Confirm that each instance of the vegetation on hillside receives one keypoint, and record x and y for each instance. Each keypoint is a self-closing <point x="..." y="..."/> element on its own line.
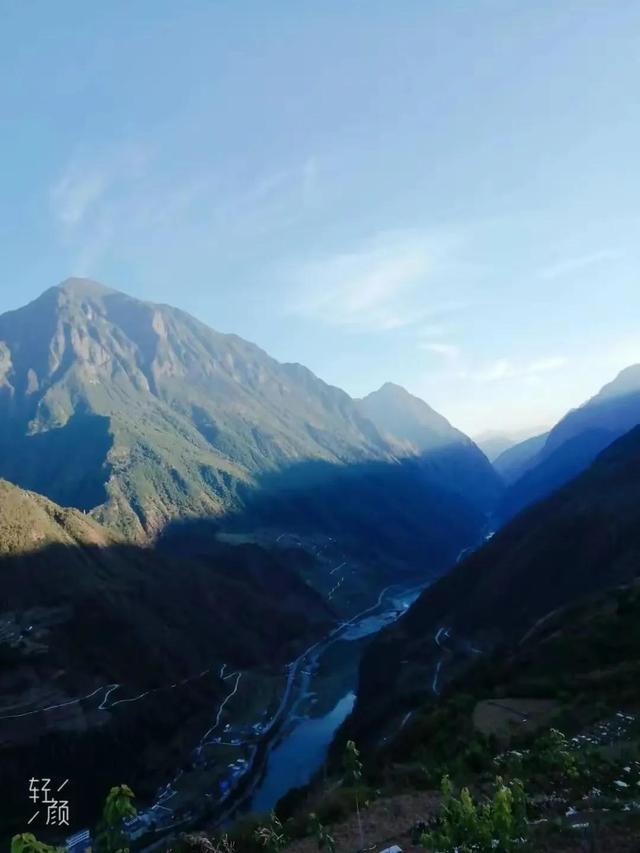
<point x="572" y="445"/>
<point x="109" y="836"/>
<point x="84" y="615"/>
<point x="143" y="415"/>
<point x="583" y="539"/>
<point x="564" y="772"/>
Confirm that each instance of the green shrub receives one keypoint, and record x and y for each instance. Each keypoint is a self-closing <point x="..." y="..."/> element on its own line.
<point x="352" y="764"/>
<point x="110" y="835"/>
<point x="497" y="826"/>
<point x="553" y="755"/>
<point x="272" y="836"/>
<point x="28" y="843"/>
<point x="325" y="841"/>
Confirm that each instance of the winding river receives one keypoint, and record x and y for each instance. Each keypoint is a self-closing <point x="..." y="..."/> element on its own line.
<point x="319" y="695"/>
<point x="325" y="700"/>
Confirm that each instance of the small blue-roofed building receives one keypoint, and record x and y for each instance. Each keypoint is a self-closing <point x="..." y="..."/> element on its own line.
<point x="79" y="842"/>
<point x="135" y="827"/>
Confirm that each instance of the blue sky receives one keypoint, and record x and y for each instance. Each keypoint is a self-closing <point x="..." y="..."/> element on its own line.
<point x="443" y="194"/>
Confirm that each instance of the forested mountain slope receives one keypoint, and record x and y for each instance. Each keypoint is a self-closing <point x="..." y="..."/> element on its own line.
<point x="573" y="443"/>
<point x="87" y="620"/>
<point x="141" y="415"/>
<point x="583" y="539"/>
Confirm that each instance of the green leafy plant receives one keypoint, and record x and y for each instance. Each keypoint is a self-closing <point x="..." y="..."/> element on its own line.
<point x="353" y="776"/>
<point x="553" y="754"/>
<point x="200" y="843"/>
<point x="28" y="843"/>
<point x="110" y="835"/>
<point x="326" y="841"/>
<point x="352" y="764"/>
<point x="463" y="825"/>
<point x="272" y="836"/>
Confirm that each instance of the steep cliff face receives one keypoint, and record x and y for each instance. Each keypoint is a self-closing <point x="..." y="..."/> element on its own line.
<point x="141" y="415"/>
<point x="152" y="413"/>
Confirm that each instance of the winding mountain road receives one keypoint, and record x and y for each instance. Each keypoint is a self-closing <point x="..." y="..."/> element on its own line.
<point x="437" y="638"/>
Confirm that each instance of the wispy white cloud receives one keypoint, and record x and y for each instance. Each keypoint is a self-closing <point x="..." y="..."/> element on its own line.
<point x="434" y="330"/>
<point x="88" y="202"/>
<point x="86" y="181"/>
<point x="546" y="365"/>
<point x="507" y="369"/>
<point x="93" y="247"/>
<point x="123" y="198"/>
<point x="569" y="266"/>
<point x="268" y="201"/>
<point x="75" y="192"/>
<point x="378" y="286"/>
<point x="450" y="352"/>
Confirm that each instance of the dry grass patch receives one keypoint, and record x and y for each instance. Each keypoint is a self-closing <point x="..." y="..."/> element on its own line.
<point x="504" y="717"/>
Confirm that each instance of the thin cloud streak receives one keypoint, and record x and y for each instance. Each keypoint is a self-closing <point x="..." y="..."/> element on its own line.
<point x="75" y="193"/>
<point x="506" y="369"/>
<point x="378" y="287"/>
<point x="569" y="266"/>
<point x="450" y="352"/>
<point x="120" y="198"/>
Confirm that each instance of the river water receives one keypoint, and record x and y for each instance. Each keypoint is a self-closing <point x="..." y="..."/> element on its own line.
<point x="328" y="701"/>
<point x="294" y="761"/>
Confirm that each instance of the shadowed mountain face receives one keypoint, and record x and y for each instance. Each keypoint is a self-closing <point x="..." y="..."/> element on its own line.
<point x="82" y="611"/>
<point x="577" y="666"/>
<point x="447" y="455"/>
<point x="572" y="444"/>
<point x="146" y="420"/>
<point x="513" y="462"/>
<point x="143" y="415"/>
<point x="176" y="416"/>
<point x="581" y="540"/>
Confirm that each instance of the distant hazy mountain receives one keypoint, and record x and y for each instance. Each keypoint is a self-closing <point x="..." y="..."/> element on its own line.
<point x="615" y="409"/>
<point x="583" y="539"/>
<point x="448" y="454"/>
<point x="494" y="443"/>
<point x="576" y="440"/>
<point x="409" y="420"/>
<point x="513" y="462"/>
<point x="142" y="415"/>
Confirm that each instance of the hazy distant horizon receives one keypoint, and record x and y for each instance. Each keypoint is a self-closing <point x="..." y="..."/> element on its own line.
<point x="439" y="195"/>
